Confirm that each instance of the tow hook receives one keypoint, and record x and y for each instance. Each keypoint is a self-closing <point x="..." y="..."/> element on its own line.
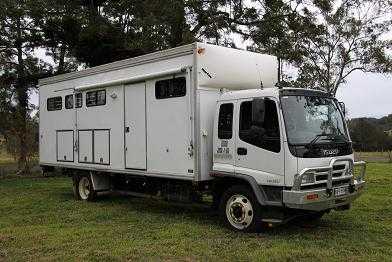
<point x="329" y="192"/>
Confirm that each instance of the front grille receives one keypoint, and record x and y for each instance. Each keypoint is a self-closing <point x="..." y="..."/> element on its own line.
<point x="324" y="185"/>
<point x="321" y="177"/>
<point x="339" y="167"/>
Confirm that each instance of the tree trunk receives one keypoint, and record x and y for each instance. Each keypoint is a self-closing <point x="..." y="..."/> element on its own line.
<point x="22" y="104"/>
<point x="61" y="68"/>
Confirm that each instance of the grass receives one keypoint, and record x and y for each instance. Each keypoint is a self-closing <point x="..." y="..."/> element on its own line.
<point x="384" y="157"/>
<point x="5" y="159"/>
<point x="40" y="220"/>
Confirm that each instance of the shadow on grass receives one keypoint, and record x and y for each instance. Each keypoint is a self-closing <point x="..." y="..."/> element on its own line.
<point x="203" y="214"/>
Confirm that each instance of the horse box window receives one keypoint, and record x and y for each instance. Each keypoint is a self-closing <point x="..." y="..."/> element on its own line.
<point x="169" y="88"/>
<point x="96" y="98"/>
<point x="54" y="103"/>
<point x="78" y="100"/>
<point x="69" y="104"/>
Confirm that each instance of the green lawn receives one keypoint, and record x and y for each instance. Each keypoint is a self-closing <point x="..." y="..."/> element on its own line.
<point x="40" y="220"/>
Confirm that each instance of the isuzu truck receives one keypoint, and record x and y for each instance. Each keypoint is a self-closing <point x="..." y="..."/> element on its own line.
<point x="196" y="122"/>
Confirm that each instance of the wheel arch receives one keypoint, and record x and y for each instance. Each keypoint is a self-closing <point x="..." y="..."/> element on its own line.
<point x="225" y="180"/>
<point x="100" y="181"/>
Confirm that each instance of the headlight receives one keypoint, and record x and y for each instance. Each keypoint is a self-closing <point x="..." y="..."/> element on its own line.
<point x="308" y="178"/>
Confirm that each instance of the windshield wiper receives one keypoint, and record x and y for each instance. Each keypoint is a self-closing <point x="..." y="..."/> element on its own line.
<point x="330" y="137"/>
<point x="317" y="138"/>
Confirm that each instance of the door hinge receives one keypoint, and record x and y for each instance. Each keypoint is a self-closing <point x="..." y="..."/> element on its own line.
<point x="190" y="149"/>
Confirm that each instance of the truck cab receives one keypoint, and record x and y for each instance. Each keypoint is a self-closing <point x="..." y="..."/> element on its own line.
<point x="286" y="151"/>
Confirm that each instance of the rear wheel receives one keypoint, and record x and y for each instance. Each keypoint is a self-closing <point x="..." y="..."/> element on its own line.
<point x="83" y="188"/>
<point x="240" y="209"/>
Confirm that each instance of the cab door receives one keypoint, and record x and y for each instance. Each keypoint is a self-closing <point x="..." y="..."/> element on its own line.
<point x="259" y="148"/>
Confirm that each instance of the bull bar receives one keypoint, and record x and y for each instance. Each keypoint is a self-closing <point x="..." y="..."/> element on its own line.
<point x="324" y="198"/>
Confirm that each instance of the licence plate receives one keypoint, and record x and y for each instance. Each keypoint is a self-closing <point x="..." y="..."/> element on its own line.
<point x="341" y="191"/>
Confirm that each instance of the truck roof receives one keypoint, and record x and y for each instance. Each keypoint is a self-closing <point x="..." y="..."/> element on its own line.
<point x="213" y="67"/>
<point x="272" y="92"/>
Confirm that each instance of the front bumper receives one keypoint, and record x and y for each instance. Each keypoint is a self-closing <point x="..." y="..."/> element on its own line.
<point x="324" y="198"/>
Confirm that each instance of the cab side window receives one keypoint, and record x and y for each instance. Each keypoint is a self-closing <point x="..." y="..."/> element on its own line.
<point x="225" y="122"/>
<point x="259" y="124"/>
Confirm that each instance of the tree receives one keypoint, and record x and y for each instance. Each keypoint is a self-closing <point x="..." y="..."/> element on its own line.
<point x="113" y="30"/>
<point x="19" y="36"/>
<point x="344" y="37"/>
<point x="326" y="40"/>
<point x="60" y="28"/>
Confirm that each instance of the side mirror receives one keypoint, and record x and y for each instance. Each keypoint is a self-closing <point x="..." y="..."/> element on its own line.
<point x="258" y="110"/>
<point x="343" y="108"/>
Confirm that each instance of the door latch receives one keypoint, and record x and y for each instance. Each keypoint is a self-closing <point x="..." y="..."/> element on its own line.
<point x="242" y="151"/>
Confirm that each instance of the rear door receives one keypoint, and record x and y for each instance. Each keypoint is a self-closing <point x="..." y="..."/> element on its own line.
<point x="135" y="126"/>
<point x="259" y="151"/>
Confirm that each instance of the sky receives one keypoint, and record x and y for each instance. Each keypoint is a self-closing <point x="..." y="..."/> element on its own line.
<point x="367" y="95"/>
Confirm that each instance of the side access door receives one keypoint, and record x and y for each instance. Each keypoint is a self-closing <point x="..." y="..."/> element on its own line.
<point x="135" y="126"/>
<point x="259" y="149"/>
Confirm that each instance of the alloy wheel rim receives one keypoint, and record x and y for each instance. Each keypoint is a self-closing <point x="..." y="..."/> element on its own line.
<point x="239" y="211"/>
<point x="84" y="188"/>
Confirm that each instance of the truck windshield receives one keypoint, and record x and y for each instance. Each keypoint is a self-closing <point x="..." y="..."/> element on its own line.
<point x="312" y="119"/>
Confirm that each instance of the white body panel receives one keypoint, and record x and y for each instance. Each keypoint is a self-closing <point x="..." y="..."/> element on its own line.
<point x="169" y="133"/>
<point x="85" y="141"/>
<point x="171" y="137"/>
<point x="101" y="150"/>
<point x="65" y="149"/>
<point x="135" y="126"/>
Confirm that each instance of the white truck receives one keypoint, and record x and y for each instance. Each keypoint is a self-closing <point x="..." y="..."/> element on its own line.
<point x="201" y="119"/>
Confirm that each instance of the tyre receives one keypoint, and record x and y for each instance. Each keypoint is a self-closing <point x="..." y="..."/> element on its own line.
<point x="240" y="209"/>
<point x="83" y="188"/>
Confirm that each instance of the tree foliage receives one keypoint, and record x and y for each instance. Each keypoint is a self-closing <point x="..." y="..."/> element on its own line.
<point x="368" y="134"/>
<point x="20" y="70"/>
<point x="326" y="40"/>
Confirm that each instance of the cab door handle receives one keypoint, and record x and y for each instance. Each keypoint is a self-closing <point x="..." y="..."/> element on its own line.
<point x="242" y="151"/>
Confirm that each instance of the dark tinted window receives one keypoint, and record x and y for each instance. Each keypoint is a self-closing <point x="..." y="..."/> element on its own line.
<point x="69" y="102"/>
<point x="225" y="123"/>
<point x="175" y="87"/>
<point x="78" y="100"/>
<point x="259" y="124"/>
<point x="96" y="98"/>
<point x="54" y="103"/>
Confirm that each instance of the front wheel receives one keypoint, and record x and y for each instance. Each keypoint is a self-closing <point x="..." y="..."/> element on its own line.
<point x="83" y="188"/>
<point x="240" y="209"/>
